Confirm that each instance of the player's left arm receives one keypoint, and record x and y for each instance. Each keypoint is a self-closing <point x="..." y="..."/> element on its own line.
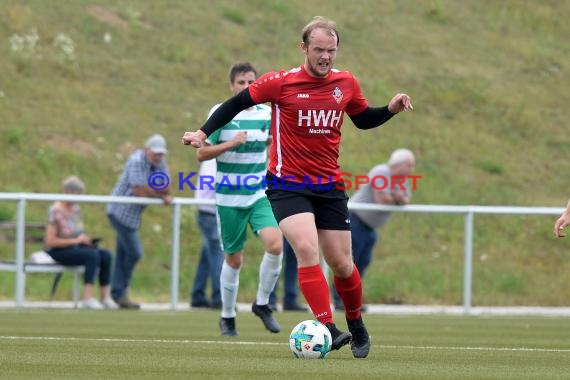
<point x="373" y="117"/>
<point x="400" y="103"/>
<point x="562" y="222"/>
<point x="365" y="117"/>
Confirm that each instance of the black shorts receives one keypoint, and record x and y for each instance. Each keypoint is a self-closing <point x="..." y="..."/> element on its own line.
<point x="329" y="206"/>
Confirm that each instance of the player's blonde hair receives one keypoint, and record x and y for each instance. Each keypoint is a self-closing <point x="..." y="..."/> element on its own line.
<point x="319" y="22"/>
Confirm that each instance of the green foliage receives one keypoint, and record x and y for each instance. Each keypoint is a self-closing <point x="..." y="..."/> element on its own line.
<point x="509" y="283"/>
<point x="488" y="81"/>
<point x="490" y="166"/>
<point x="234" y="15"/>
<point x="46" y="160"/>
<point x="6" y="213"/>
<point x="14" y="136"/>
<point x="437" y="13"/>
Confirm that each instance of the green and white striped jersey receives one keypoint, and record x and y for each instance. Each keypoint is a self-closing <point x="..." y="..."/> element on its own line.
<point x="241" y="170"/>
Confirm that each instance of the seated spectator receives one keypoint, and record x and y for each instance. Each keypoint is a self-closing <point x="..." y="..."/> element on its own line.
<point x="68" y="244"/>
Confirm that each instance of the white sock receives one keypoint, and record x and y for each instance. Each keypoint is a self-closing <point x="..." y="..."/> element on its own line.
<point x="269" y="270"/>
<point x="229" y="284"/>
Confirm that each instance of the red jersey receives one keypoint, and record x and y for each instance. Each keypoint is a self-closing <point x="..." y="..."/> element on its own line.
<point x="307" y="114"/>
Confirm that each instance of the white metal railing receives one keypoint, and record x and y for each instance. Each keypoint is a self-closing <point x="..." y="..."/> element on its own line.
<point x="467" y="211"/>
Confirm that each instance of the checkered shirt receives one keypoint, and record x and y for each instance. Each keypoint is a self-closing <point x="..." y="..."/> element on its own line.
<point x="136" y="173"/>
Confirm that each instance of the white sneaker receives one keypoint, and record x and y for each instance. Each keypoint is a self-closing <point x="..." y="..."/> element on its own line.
<point x="92" y="304"/>
<point x="108" y="303"/>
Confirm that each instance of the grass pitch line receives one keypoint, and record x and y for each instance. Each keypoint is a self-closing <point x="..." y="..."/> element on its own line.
<point x="120" y="340"/>
<point x="245" y="343"/>
<point x="451" y="348"/>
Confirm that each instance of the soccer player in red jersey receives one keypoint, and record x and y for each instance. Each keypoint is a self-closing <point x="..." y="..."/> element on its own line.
<point x="562" y="222"/>
<point x="309" y="103"/>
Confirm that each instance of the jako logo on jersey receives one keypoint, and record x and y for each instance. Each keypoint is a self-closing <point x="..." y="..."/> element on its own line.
<point x="337" y="95"/>
<point x="302" y="96"/>
<point x="319" y="118"/>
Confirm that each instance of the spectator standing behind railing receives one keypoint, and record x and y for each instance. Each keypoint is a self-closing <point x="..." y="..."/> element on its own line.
<point x="211" y="255"/>
<point x="562" y="222"/>
<point x="68" y="244"/>
<point x="386" y="191"/>
<point x="126" y="218"/>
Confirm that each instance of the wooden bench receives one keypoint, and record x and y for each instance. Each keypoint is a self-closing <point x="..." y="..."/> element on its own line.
<point x="37" y="263"/>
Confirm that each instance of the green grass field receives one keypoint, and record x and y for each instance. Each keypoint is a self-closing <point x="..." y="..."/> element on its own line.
<point x="74" y="344"/>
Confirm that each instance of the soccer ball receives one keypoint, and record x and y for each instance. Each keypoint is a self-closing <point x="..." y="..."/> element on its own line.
<point x="310" y="340"/>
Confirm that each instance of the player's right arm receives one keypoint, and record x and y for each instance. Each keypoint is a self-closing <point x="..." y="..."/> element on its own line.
<point x="265" y="89"/>
<point x="209" y="151"/>
<point x="222" y="116"/>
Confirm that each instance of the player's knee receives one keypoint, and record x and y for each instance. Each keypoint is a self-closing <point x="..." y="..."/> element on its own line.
<point x="275" y="246"/>
<point x="342" y="268"/>
<point x="306" y="248"/>
<point x="235" y="260"/>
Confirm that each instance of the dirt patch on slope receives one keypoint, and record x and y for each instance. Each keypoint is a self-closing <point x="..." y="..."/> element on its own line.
<point x="108" y="17"/>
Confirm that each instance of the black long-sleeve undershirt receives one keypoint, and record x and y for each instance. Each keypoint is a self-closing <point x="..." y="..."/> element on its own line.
<point x="371" y="117"/>
<point x="227" y="111"/>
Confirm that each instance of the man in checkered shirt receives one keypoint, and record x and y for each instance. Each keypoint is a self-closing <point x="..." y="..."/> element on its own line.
<point x="126" y="218"/>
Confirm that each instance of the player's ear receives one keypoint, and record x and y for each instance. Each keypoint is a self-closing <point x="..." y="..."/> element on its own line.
<point x="303" y="47"/>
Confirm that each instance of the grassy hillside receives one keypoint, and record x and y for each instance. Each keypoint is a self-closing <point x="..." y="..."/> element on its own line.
<point x="83" y="83"/>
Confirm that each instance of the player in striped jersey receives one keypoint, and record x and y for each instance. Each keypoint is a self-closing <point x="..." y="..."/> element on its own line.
<point x="240" y="149"/>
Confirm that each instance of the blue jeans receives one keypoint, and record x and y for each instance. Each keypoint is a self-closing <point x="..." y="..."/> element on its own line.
<point x="289" y="276"/>
<point x="128" y="253"/>
<point x="211" y="260"/>
<point x="363" y="240"/>
<point x="94" y="259"/>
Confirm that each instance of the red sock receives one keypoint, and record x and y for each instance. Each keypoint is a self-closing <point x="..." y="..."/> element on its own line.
<point x="350" y="291"/>
<point x="314" y="286"/>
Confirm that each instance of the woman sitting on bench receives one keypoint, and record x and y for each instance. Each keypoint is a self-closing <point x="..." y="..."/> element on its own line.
<point x="66" y="242"/>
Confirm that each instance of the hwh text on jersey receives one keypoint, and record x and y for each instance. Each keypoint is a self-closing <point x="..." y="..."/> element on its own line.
<point x="319" y="118"/>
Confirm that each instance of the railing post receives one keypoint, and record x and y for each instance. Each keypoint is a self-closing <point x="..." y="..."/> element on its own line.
<point x="20" y="253"/>
<point x="468" y="263"/>
<point x="175" y="259"/>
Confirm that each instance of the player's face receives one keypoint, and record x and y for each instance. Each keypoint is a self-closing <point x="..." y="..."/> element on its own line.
<point x="320" y="53"/>
<point x="242" y="81"/>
